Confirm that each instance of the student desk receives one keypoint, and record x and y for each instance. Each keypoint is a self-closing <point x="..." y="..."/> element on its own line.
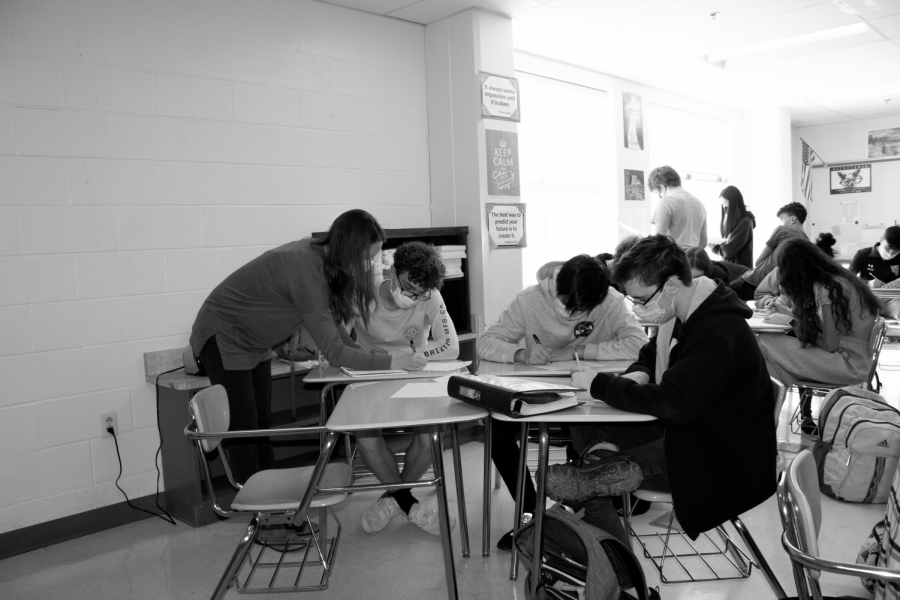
<point x="487" y="367"/>
<point x="593" y="411"/>
<point x="370" y="406"/>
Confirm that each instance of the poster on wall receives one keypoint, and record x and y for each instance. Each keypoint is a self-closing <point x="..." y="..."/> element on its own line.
<point x="499" y="97"/>
<point x="884" y="142"/>
<point x="634" y="185"/>
<point x="851" y="179"/>
<point x="633" y="117"/>
<point x="502" y="152"/>
<point x="506" y="225"/>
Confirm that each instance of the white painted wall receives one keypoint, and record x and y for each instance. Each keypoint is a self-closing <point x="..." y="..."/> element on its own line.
<point x="844" y="143"/>
<point x="148" y="149"/>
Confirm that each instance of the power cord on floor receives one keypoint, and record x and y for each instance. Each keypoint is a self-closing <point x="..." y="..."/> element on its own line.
<point x="165" y="516"/>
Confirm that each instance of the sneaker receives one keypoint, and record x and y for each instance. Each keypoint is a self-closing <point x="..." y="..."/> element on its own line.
<point x="378" y="515"/>
<point x="611" y="475"/>
<point x="505" y="543"/>
<point x="427" y="518"/>
<point x="809" y="427"/>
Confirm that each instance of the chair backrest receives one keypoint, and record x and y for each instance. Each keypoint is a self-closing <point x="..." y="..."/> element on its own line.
<point x="209" y="407"/>
<point x="780" y="393"/>
<point x="806" y="503"/>
<point x="879" y="332"/>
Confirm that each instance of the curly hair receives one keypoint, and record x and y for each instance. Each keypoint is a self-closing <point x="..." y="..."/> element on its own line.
<point x="422" y="263"/>
<point x="664" y="176"/>
<point x="802" y="265"/>
<point x="825" y="241"/>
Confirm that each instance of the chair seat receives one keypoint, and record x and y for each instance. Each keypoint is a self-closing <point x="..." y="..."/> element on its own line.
<point x="283" y="489"/>
<point x="828" y="386"/>
<point x="653" y="496"/>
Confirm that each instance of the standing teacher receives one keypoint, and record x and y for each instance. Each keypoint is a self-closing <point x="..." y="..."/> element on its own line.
<point x="679" y="214"/>
<point x="736" y="228"/>
<point x="319" y="284"/>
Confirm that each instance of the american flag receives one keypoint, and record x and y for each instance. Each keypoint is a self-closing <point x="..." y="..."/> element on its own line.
<point x="809" y="155"/>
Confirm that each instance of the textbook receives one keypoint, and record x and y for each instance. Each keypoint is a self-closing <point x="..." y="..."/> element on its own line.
<point x="512" y="396"/>
<point x="362" y="373"/>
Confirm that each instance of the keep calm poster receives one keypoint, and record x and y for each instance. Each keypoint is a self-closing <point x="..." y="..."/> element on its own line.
<point x="502" y="151"/>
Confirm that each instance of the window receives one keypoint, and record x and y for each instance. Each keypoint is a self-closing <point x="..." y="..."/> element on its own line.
<point x="567" y="172"/>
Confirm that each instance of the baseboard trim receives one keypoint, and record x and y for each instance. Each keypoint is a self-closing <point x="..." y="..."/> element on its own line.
<point x="52" y="532"/>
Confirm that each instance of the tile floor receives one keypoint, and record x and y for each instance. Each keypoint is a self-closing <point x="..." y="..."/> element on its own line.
<point x="151" y="559"/>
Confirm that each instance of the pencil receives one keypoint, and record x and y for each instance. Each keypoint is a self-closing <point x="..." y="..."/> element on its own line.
<point x="577" y="362"/>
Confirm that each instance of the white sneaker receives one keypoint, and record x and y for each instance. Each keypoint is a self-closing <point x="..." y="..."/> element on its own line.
<point x="427" y="518"/>
<point x="378" y="515"/>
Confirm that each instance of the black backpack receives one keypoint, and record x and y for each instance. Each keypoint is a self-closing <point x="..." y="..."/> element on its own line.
<point x="579" y="555"/>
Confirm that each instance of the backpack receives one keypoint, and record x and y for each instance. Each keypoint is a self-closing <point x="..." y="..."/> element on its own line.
<point x="859" y="447"/>
<point x="581" y="561"/>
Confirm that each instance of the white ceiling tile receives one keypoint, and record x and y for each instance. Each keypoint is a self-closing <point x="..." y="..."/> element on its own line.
<point x="841" y="55"/>
<point x="873" y="111"/>
<point x="873" y="9"/>
<point x="889" y="26"/>
<point x="822" y="118"/>
<point x="610" y="11"/>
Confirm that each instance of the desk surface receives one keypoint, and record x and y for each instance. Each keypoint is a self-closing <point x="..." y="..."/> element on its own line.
<point x="487" y="367"/>
<point x="333" y="375"/>
<point x="370" y="406"/>
<point x="179" y="380"/>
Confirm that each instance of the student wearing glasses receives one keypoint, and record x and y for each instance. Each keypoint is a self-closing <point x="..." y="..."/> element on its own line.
<point x="704" y="377"/>
<point x="571" y="310"/>
<point x="408" y="308"/>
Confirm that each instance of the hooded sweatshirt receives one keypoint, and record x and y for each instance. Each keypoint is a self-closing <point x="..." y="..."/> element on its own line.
<point x="616" y="334"/>
<point x="710" y="388"/>
<point x="738" y="245"/>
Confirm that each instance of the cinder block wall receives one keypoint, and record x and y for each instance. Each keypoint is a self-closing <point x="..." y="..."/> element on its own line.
<point x="148" y="149"/>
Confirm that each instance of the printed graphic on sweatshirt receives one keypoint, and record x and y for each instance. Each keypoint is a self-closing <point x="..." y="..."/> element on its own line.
<point x="444" y="326"/>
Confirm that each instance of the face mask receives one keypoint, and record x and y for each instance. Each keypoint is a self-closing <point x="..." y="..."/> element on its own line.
<point x="402" y="302"/>
<point x="652" y="312"/>
<point x="885" y="255"/>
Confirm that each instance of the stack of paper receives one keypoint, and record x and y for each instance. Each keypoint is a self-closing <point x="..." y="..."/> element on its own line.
<point x="452" y="257"/>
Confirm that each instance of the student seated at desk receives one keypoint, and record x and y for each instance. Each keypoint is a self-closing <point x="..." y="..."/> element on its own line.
<point x="571" y="310"/>
<point x="702" y="266"/>
<point x="408" y="307"/>
<point x="704" y="378"/>
<point x="792" y="217"/>
<point x="879" y="267"/>
<point x="833" y="314"/>
<point x="768" y="292"/>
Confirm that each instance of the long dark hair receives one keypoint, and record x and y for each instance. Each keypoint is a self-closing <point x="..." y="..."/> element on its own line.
<point x="350" y="282"/>
<point x="737" y="210"/>
<point x="802" y="265"/>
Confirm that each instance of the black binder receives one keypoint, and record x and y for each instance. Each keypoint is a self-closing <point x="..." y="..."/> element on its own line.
<point x="512" y="396"/>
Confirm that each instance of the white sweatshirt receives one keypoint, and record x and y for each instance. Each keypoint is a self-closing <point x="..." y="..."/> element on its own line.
<point x="616" y="335"/>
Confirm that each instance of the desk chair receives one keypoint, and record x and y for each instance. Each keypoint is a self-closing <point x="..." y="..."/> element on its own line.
<point x="732" y="562"/>
<point x="800" y="506"/>
<point x="808" y="389"/>
<point x="273" y="497"/>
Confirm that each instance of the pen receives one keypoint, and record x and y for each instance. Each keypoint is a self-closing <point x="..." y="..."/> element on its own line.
<point x="536" y="340"/>
<point x="412" y="347"/>
<point x="577" y="362"/>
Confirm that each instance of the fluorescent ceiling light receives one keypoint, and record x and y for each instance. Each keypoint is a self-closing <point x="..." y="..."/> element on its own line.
<point x="878" y="91"/>
<point x="789" y="42"/>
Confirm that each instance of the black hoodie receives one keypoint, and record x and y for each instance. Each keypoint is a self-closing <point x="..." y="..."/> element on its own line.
<point x="717" y="405"/>
<point x="738" y="248"/>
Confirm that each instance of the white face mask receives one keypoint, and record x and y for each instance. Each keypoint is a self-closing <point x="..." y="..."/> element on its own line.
<point x="885" y="255"/>
<point x="402" y="302"/>
<point x="652" y="312"/>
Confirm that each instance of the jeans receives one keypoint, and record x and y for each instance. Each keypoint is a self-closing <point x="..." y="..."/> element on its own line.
<point x="505" y="454"/>
<point x="250" y="406"/>
<point x="641" y="442"/>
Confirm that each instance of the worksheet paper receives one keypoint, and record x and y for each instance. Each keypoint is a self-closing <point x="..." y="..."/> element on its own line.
<point x="449" y="365"/>
<point x="422" y="390"/>
<point x="568" y="365"/>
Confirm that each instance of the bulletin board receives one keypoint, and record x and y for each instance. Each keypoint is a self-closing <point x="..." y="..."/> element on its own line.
<point x="857" y="220"/>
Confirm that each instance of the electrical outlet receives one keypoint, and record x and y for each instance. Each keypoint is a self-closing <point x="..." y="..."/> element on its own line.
<point x="108" y="420"/>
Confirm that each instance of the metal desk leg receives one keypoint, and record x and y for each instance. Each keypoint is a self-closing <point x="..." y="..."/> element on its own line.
<point x="520" y="499"/>
<point x="437" y="458"/>
<point x="486" y="508"/>
<point x="760" y="559"/>
<point x="626" y="518"/>
<point x="541" y="485"/>
<point x="460" y="491"/>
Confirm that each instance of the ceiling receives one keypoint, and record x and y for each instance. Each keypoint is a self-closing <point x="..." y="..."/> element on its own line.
<point x="829" y="61"/>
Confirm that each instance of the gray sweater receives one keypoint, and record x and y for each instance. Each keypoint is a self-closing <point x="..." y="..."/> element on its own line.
<point x="616" y="335"/>
<point x="265" y="301"/>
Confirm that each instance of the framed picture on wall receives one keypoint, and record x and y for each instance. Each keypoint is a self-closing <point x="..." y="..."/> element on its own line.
<point x="851" y="179"/>
<point x="884" y="142"/>
<point x="633" y="121"/>
<point x="634" y="185"/>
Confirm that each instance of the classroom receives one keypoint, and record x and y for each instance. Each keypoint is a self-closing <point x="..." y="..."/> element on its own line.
<point x="201" y="192"/>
